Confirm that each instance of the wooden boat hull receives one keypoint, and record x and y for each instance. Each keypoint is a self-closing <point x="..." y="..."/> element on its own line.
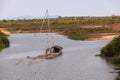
<point x="53" y="55"/>
<point x="47" y="56"/>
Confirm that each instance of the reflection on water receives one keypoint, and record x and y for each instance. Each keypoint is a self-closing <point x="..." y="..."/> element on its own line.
<point x="77" y="62"/>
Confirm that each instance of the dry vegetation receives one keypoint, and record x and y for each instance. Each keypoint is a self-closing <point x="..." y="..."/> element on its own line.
<point x="78" y="28"/>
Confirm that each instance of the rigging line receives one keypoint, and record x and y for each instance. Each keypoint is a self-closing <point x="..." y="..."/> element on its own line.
<point x="52" y="40"/>
<point x="48" y="21"/>
<point x="49" y="28"/>
<point x="43" y="22"/>
<point x="45" y="17"/>
<point x="40" y="30"/>
<point x="48" y="37"/>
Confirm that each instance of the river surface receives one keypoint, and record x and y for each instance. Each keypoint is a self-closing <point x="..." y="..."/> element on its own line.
<point x="78" y="61"/>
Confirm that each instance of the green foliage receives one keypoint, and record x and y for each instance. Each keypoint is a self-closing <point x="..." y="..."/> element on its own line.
<point x="112" y="49"/>
<point x="78" y="36"/>
<point x="118" y="77"/>
<point x="75" y="33"/>
<point x="4" y="42"/>
<point x="116" y="60"/>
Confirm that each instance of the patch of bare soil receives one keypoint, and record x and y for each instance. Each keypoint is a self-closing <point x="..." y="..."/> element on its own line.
<point x="115" y="26"/>
<point x="102" y="36"/>
<point x="5" y="31"/>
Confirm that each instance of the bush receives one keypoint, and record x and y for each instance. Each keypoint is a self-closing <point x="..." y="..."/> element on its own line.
<point x="116" y="60"/>
<point x="4" y="42"/>
<point x="118" y="77"/>
<point x="78" y="36"/>
<point x="112" y="49"/>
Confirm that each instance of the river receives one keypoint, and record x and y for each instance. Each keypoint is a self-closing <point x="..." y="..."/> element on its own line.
<point x="78" y="61"/>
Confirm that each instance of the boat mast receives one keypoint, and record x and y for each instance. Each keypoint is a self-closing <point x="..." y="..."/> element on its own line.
<point x="48" y="22"/>
<point x="46" y="17"/>
<point x="48" y="37"/>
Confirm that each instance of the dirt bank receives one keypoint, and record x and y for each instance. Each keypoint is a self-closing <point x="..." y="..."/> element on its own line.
<point x="102" y="36"/>
<point x="5" y="31"/>
<point x="92" y="36"/>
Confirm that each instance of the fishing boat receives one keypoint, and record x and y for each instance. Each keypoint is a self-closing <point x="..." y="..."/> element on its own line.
<point x="52" y="51"/>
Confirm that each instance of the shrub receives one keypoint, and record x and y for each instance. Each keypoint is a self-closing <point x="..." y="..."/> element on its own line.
<point x="112" y="49"/>
<point x="116" y="60"/>
<point x="78" y="36"/>
<point x="4" y="42"/>
<point x="118" y="77"/>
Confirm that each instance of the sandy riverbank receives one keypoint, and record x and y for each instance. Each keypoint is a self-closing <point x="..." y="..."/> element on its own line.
<point x="102" y="36"/>
<point x="95" y="36"/>
<point x="5" y="31"/>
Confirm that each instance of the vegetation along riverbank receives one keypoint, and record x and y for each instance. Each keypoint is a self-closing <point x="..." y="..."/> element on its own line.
<point x="78" y="28"/>
<point x="4" y="42"/>
<point x="112" y="53"/>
